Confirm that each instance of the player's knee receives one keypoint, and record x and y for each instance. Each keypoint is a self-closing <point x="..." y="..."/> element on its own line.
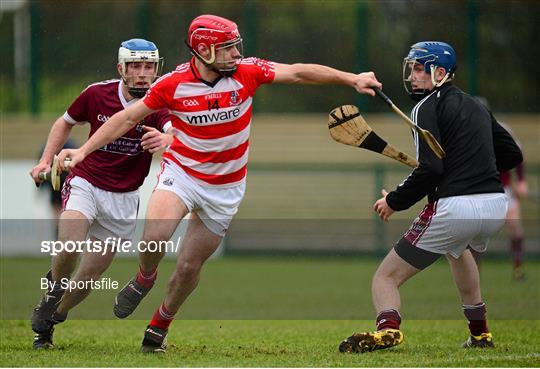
<point x="155" y="235"/>
<point x="382" y="276"/>
<point x="66" y="258"/>
<point x="515" y="230"/>
<point x="186" y="270"/>
<point x="388" y="276"/>
<point x="89" y="274"/>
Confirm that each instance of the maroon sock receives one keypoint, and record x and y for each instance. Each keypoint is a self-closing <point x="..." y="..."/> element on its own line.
<point x="388" y="319"/>
<point x="162" y="318"/>
<point x="476" y="315"/>
<point x="516" y="245"/>
<point x="146" y="278"/>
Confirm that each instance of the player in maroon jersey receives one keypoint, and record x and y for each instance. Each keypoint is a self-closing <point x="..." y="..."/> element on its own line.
<point x="100" y="196"/>
<point x="516" y="189"/>
<point x="203" y="172"/>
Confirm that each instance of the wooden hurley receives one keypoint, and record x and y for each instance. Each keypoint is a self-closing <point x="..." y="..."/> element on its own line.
<point x="423" y="133"/>
<point x="54" y="175"/>
<point x="348" y="127"/>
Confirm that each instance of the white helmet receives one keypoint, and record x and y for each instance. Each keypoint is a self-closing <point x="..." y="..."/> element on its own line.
<point x="138" y="50"/>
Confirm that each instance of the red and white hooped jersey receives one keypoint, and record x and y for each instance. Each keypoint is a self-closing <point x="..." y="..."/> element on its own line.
<point x="211" y="120"/>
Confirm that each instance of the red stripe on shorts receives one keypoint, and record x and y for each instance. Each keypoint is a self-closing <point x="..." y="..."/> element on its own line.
<point x="162" y="164"/>
<point x="421" y="224"/>
<point x="66" y="191"/>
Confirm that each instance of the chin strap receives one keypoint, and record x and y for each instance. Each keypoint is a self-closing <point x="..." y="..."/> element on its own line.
<point x="208" y="63"/>
<point x="442" y="81"/>
<point x="137" y="92"/>
<point x="198" y="56"/>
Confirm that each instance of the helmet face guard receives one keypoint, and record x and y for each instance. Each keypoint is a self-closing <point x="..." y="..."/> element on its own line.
<point x="409" y="65"/>
<point x="431" y="55"/>
<point x="227" y="67"/>
<point x="139" y="50"/>
<point x="216" y="34"/>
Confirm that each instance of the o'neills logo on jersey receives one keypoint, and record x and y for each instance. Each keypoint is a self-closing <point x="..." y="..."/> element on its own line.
<point x="213" y="96"/>
<point x="215" y="116"/>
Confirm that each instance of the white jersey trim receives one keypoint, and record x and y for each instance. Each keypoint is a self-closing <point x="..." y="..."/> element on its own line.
<point x="123" y="100"/>
<point x="213" y="145"/>
<point x="167" y="126"/>
<point x="213" y="168"/>
<point x="191" y="89"/>
<point x="70" y="120"/>
<point x="414" y="118"/>
<point x="227" y="113"/>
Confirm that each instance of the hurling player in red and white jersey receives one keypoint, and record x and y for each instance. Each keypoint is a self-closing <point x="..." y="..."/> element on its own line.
<point x="100" y="197"/>
<point x="203" y="172"/>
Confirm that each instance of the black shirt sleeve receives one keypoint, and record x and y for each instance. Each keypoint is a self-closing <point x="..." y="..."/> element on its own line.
<point x="507" y="151"/>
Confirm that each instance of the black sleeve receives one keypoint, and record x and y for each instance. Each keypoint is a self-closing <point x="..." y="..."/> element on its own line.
<point x="424" y="178"/>
<point x="507" y="151"/>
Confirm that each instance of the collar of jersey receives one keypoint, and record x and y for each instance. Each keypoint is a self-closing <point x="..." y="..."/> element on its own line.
<point x="123" y="100"/>
<point x="197" y="75"/>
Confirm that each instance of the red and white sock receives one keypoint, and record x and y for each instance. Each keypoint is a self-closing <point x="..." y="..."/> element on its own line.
<point x="162" y="317"/>
<point x="146" y="278"/>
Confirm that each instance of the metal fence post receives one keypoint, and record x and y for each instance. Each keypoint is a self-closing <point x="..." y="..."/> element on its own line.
<point x="472" y="10"/>
<point x="35" y="57"/>
<point x="361" y="55"/>
<point x="143" y="18"/>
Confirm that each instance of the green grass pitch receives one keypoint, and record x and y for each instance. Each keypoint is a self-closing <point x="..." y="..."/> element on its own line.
<point x="277" y="312"/>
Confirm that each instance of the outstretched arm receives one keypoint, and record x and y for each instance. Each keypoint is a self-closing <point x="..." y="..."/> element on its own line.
<point x="115" y="127"/>
<point x="315" y="74"/>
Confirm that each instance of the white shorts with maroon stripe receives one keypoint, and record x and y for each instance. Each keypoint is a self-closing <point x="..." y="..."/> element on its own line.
<point x="111" y="214"/>
<point x="215" y="206"/>
<point x="450" y="224"/>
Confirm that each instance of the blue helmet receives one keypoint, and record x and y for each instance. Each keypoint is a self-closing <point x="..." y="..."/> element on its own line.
<point x="436" y="53"/>
<point x="139" y="50"/>
<point x="431" y="54"/>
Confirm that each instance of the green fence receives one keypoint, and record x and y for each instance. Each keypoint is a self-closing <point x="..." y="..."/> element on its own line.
<point x="327" y="209"/>
<point x="53" y="49"/>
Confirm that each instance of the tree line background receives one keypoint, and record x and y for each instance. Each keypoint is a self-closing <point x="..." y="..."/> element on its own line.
<point x="74" y="43"/>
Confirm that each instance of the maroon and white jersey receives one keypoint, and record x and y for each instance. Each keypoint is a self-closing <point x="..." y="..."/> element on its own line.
<point x="211" y="121"/>
<point x="121" y="165"/>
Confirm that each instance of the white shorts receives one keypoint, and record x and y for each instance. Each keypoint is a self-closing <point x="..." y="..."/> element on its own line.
<point x="449" y="225"/>
<point x="111" y="214"/>
<point x="215" y="206"/>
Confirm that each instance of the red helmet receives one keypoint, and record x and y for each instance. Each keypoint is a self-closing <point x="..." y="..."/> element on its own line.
<point x="214" y="32"/>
